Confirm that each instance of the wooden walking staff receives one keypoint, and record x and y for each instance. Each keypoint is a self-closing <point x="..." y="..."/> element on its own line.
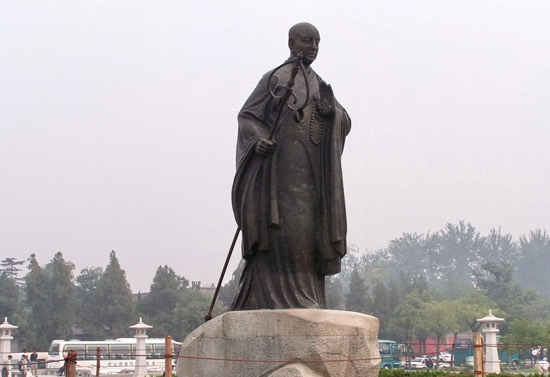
<point x="280" y="101"/>
<point x="208" y="316"/>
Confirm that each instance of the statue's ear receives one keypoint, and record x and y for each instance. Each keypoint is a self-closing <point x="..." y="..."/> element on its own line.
<point x="290" y="43"/>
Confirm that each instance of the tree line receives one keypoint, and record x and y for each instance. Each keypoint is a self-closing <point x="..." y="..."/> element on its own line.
<point x="433" y="284"/>
<point x="420" y="286"/>
<point x="429" y="285"/>
<point x="51" y="303"/>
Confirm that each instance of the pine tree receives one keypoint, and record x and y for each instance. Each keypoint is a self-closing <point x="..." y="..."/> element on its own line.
<point x="158" y="306"/>
<point x="86" y="290"/>
<point x="334" y="293"/>
<point x="9" y="295"/>
<point x="37" y="300"/>
<point x="50" y="293"/>
<point x="357" y="299"/>
<point x="9" y="267"/>
<point x="114" y="304"/>
<point x="62" y="292"/>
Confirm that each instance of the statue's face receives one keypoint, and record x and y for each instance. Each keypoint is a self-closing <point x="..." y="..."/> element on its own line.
<point x="305" y="41"/>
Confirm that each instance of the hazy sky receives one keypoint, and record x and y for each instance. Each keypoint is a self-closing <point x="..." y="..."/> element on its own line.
<point x="118" y="121"/>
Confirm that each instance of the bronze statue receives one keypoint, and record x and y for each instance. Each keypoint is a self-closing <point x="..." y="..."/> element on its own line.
<point x="288" y="196"/>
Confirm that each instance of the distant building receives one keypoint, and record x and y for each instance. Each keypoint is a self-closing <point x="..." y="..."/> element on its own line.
<point x="205" y="290"/>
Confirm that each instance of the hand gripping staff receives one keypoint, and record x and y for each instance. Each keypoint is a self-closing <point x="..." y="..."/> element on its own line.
<point x="283" y="96"/>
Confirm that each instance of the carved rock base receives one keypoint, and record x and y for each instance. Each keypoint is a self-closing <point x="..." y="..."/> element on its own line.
<point x="282" y="343"/>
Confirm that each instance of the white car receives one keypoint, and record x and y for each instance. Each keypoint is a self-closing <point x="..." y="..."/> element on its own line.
<point x="445" y="356"/>
<point x="420" y="363"/>
<point x="442" y="365"/>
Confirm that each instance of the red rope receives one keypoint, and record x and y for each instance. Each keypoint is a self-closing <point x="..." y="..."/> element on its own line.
<point x="73" y="358"/>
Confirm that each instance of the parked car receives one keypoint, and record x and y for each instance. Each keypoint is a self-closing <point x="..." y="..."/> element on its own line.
<point x="421" y="363"/>
<point x="445" y="356"/>
<point x="442" y="365"/>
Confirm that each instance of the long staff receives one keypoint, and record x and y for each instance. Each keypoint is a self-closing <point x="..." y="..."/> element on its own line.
<point x="279" y="104"/>
<point x="208" y="316"/>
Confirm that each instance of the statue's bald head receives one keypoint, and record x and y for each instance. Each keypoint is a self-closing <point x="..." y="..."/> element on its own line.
<point x="300" y="28"/>
<point x="303" y="38"/>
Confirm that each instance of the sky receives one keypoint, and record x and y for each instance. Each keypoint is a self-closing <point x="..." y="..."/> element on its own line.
<point x="118" y="121"/>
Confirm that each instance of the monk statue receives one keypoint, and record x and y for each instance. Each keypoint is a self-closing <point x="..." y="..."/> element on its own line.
<point x="288" y="196"/>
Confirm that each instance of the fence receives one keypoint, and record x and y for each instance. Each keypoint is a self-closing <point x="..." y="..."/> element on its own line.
<point x="71" y="361"/>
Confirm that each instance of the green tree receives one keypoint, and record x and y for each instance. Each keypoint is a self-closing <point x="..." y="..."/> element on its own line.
<point x="472" y="307"/>
<point x="422" y="332"/>
<point x="86" y="291"/>
<point x="62" y="290"/>
<point x="51" y="298"/>
<point x="534" y="251"/>
<point x="500" y="247"/>
<point x="114" y="304"/>
<point x="524" y="332"/>
<point x="351" y="262"/>
<point x="407" y="319"/>
<point x="190" y="311"/>
<point x="334" y="293"/>
<point x="458" y="252"/>
<point x="404" y="321"/>
<point x="9" y="295"/>
<point x="440" y="320"/>
<point x="539" y="308"/>
<point x="357" y="299"/>
<point x="412" y="254"/>
<point x="384" y="302"/>
<point x="453" y="288"/>
<point x="374" y="266"/>
<point x="229" y="290"/>
<point x="496" y="280"/>
<point x="167" y="289"/>
<point x="38" y="302"/>
<point x="457" y="325"/>
<point x="9" y="266"/>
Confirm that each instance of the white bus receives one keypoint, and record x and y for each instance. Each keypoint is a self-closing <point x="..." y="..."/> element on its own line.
<point x="116" y="355"/>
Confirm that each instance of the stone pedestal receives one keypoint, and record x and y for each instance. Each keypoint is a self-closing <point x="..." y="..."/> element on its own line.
<point x="283" y="343"/>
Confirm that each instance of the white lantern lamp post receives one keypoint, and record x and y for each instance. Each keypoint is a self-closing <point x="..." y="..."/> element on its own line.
<point x="141" y="334"/>
<point x="6" y="338"/>
<point x="492" y="362"/>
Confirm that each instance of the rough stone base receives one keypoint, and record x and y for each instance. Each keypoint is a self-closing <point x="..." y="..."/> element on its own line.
<point x="282" y="343"/>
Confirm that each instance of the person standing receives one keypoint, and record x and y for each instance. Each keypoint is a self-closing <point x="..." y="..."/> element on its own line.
<point x="22" y="357"/>
<point x="429" y="362"/>
<point x="542" y="366"/>
<point x="24" y="366"/>
<point x="34" y="363"/>
<point x="6" y="366"/>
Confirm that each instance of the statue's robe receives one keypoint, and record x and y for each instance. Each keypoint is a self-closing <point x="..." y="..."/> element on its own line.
<point x="289" y="204"/>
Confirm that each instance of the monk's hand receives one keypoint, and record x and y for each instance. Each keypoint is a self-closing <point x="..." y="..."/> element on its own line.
<point x="265" y="146"/>
<point x="327" y="102"/>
